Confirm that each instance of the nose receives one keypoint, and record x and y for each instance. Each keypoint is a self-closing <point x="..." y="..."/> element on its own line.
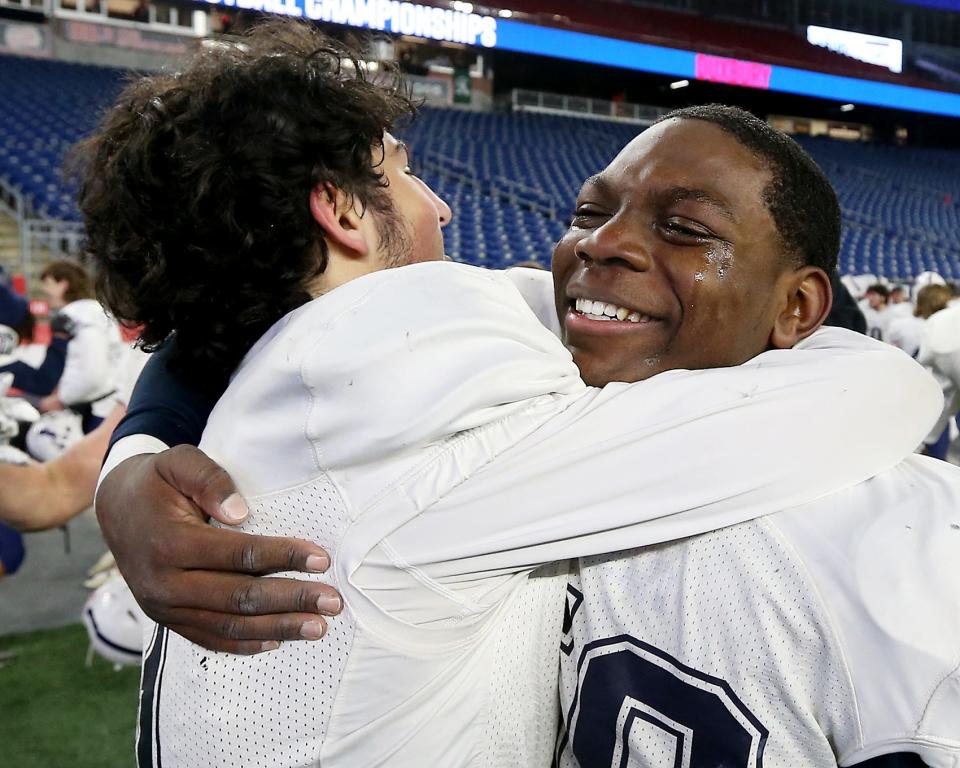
<point x="443" y="210"/>
<point x="615" y="242"/>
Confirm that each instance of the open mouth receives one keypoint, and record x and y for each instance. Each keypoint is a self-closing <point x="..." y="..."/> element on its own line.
<point x="594" y="309"/>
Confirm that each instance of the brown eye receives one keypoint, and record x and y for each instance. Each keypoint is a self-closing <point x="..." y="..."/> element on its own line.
<point x="586" y="217"/>
<point x="684" y="233"/>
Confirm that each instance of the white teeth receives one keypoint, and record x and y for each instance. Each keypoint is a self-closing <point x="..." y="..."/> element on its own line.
<point x="601" y="310"/>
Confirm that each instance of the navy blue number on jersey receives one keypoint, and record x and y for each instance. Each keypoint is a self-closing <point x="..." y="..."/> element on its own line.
<point x="629" y="687"/>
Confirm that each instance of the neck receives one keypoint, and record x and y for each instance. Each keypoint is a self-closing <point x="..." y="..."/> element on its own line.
<point x="341" y="269"/>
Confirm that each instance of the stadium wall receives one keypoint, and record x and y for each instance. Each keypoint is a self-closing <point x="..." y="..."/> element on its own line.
<point x="103" y="42"/>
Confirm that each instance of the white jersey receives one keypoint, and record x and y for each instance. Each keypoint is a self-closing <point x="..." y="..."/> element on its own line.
<point x="826" y="634"/>
<point x="940" y="351"/>
<point x="906" y="333"/>
<point x="93" y="356"/>
<point x="30" y="354"/>
<point x="901" y="309"/>
<point x="131" y="364"/>
<point x="877" y="320"/>
<point x="423" y="426"/>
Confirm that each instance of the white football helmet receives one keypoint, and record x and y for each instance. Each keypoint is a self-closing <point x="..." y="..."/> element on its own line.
<point x="9" y="341"/>
<point x="923" y="280"/>
<point x="9" y="428"/>
<point x="11" y="455"/>
<point x="18" y="409"/>
<point x="115" y="623"/>
<point x="54" y="432"/>
<point x="14" y="412"/>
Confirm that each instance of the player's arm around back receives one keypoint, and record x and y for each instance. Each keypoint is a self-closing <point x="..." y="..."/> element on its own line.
<point x="152" y="506"/>
<point x="680" y="454"/>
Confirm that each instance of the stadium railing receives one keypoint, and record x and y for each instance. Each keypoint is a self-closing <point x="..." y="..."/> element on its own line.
<point x="40" y="240"/>
<point x="522" y="100"/>
<point x="38" y="6"/>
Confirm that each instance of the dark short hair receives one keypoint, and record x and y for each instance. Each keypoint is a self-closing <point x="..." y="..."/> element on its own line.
<point x="879" y="288"/>
<point x="195" y="187"/>
<point x="800" y="198"/>
<point x="79" y="282"/>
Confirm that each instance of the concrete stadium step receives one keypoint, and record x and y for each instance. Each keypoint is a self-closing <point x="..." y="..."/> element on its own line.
<point x="9" y="243"/>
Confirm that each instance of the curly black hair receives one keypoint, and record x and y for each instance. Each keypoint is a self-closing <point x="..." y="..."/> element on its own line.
<point x="195" y="187"/>
<point x="800" y="198"/>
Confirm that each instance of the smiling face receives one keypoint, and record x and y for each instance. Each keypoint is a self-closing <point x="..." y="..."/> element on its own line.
<point x="674" y="240"/>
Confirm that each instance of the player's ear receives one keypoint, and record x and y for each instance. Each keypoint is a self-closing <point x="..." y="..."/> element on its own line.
<point x="808" y="297"/>
<point x="336" y="213"/>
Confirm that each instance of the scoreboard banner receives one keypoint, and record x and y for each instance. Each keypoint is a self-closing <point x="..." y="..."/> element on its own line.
<point x="25" y="39"/>
<point x="690" y="65"/>
<point x="882" y="51"/>
<point x="491" y="32"/>
<point x="385" y="16"/>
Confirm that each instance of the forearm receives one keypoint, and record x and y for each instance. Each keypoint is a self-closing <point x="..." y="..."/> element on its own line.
<point x="31" y="499"/>
<point x="683" y="453"/>
<point x="152" y="512"/>
<point x="41" y="496"/>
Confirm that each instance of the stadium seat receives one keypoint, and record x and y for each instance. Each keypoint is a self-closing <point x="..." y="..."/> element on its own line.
<point x="511" y="178"/>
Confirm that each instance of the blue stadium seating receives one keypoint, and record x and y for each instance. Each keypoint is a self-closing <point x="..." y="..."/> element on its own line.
<point x="46" y="106"/>
<point x="511" y="179"/>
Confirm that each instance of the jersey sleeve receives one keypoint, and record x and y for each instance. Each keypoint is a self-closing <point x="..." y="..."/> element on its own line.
<point x="42" y="380"/>
<point x="164" y="407"/>
<point x="536" y="288"/>
<point x="677" y="455"/>
<point x="946" y="367"/>
<point x="884" y="565"/>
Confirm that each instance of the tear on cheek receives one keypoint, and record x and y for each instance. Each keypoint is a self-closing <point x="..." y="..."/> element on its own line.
<point x="720" y="255"/>
<point x="698" y="277"/>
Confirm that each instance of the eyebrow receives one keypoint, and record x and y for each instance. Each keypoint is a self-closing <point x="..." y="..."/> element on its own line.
<point x="679" y="194"/>
<point x="402" y="147"/>
<point x="598" y="183"/>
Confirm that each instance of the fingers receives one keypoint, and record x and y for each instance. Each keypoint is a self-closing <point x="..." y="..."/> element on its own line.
<point x="213" y="643"/>
<point x="197" y="579"/>
<point x="197" y="476"/>
<point x="241" y="596"/>
<point x="247" y="634"/>
<point x="219" y="549"/>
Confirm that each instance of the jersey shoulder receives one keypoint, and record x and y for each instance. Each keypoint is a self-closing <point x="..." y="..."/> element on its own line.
<point x="536" y="287"/>
<point x="884" y="557"/>
<point x="85" y="312"/>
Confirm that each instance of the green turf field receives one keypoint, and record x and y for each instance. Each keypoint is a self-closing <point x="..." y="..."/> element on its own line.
<point x="55" y="712"/>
